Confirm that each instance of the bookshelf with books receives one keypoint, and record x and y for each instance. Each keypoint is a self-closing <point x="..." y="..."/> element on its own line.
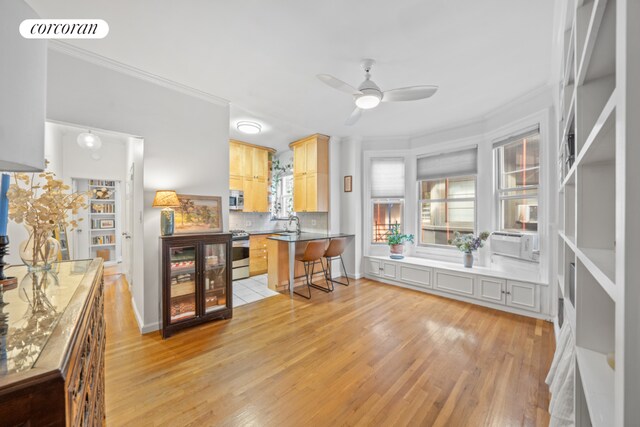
<point x="103" y="220"/>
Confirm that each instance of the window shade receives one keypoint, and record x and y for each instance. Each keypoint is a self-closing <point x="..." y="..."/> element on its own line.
<point x="446" y="165"/>
<point x="387" y="178"/>
<point x="525" y="133"/>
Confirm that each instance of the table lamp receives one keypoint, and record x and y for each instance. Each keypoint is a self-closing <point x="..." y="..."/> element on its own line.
<point x="166" y="199"/>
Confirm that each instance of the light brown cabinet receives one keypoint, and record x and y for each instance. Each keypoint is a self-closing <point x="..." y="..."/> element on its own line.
<point x="249" y="173"/>
<point x="258" y="257"/>
<point x="311" y="174"/>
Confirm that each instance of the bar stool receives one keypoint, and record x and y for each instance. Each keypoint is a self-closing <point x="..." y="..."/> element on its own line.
<point x="335" y="251"/>
<point x="313" y="254"/>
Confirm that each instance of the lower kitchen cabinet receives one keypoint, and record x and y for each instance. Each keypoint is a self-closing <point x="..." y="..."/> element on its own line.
<point x="258" y="257"/>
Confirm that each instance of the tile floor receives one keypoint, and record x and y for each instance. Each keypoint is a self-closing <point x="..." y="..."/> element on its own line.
<point x="251" y="290"/>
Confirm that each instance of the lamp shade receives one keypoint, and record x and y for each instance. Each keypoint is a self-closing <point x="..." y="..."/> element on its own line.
<point x="166" y="199"/>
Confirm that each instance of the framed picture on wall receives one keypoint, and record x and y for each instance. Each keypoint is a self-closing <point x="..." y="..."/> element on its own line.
<point x="348" y="184"/>
<point x="198" y="214"/>
<point x="107" y="223"/>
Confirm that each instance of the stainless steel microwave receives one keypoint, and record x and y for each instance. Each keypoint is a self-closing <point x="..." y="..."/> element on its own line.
<point x="236" y="200"/>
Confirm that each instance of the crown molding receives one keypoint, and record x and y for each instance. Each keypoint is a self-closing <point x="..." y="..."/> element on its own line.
<point x="111" y="64"/>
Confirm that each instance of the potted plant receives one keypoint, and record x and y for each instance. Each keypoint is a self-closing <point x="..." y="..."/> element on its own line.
<point x="396" y="241"/>
<point x="468" y="243"/>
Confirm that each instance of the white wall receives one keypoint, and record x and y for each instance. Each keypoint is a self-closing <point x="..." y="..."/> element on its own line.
<point x="53" y="153"/>
<point x="186" y="140"/>
<point x="351" y="204"/>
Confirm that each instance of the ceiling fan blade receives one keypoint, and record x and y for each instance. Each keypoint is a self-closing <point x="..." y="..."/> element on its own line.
<point x="338" y="84"/>
<point x="411" y="93"/>
<point x="354" y="117"/>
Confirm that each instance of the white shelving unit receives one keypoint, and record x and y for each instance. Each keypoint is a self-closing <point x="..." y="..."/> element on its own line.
<point x="102" y="221"/>
<point x="599" y="207"/>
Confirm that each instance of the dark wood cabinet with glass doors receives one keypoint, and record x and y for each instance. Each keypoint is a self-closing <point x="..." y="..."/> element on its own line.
<point x="196" y="280"/>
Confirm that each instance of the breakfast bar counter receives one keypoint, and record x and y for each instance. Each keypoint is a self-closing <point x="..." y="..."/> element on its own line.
<point x="282" y="249"/>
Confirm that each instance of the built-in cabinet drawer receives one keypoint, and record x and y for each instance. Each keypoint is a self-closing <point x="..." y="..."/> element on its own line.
<point x="418" y="276"/>
<point x="523" y="295"/>
<point x="491" y="289"/>
<point x="458" y="283"/>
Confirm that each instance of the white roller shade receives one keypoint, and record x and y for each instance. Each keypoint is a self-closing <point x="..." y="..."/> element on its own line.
<point x="524" y="133"/>
<point x="446" y="165"/>
<point x="387" y="177"/>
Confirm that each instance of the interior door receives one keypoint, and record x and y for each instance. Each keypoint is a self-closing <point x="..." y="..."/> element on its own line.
<point x="127" y="229"/>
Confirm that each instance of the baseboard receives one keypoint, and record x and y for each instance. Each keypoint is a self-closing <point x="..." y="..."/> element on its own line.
<point x="144" y="329"/>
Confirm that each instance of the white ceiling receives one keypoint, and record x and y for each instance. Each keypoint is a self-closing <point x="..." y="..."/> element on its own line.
<point x="263" y="56"/>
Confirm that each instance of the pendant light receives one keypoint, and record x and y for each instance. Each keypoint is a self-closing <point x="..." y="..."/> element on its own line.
<point x="89" y="141"/>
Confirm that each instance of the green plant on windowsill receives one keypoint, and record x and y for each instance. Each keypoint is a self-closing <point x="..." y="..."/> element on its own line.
<point x="396" y="241"/>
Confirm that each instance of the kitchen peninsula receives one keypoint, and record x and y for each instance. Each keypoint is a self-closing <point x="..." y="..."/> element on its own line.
<point x="282" y="249"/>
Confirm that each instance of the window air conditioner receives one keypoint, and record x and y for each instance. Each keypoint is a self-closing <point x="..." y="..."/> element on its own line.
<point x="515" y="245"/>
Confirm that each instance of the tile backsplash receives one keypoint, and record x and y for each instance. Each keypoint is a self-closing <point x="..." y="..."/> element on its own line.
<point x="315" y="222"/>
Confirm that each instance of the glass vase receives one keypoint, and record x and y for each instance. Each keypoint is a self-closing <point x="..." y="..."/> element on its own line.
<point x="39" y="251"/>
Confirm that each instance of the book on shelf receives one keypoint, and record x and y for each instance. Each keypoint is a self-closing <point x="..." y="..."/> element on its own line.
<point x="97" y="207"/>
<point x="103" y="240"/>
<point x="101" y="182"/>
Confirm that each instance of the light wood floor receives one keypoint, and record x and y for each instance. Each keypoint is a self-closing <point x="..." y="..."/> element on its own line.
<point x="369" y="354"/>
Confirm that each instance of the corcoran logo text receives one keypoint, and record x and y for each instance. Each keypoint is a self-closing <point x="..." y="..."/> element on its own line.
<point x="64" y="29"/>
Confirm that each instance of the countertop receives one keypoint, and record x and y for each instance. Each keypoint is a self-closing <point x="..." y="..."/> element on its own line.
<point x="262" y="232"/>
<point x="305" y="237"/>
<point x="37" y="325"/>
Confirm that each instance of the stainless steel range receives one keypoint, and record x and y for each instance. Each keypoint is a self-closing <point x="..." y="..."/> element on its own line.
<point x="240" y="240"/>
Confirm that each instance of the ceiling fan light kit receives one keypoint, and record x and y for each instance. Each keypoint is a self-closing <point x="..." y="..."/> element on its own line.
<point x="368" y="95"/>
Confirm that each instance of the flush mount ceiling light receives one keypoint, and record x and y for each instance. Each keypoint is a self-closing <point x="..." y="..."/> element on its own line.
<point x="245" y="126"/>
<point x="89" y="140"/>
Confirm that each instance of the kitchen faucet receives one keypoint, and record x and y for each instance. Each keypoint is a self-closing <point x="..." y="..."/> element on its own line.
<point x="292" y="218"/>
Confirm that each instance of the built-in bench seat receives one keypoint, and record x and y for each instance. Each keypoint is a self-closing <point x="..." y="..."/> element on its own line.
<point x="479" y="285"/>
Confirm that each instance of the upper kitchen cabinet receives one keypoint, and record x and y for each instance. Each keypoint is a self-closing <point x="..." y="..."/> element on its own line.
<point x="249" y="173"/>
<point x="311" y="174"/>
<point x="23" y="87"/>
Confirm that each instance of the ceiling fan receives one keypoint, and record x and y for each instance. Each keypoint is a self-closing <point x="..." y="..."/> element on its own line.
<point x="368" y="95"/>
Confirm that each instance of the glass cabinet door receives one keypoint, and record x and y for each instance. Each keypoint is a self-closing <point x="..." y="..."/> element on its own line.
<point x="215" y="276"/>
<point x="182" y="293"/>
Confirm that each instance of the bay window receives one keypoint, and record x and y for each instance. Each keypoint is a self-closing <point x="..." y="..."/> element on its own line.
<point x="518" y="180"/>
<point x="387" y="196"/>
<point x="447" y="196"/>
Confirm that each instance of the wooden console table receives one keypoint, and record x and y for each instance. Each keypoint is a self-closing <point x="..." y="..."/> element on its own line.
<point x="52" y="345"/>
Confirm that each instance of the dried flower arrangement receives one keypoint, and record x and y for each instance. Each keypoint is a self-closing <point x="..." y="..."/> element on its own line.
<point x="41" y="205"/>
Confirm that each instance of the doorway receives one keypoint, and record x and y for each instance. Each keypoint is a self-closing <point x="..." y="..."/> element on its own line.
<point x="111" y="174"/>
